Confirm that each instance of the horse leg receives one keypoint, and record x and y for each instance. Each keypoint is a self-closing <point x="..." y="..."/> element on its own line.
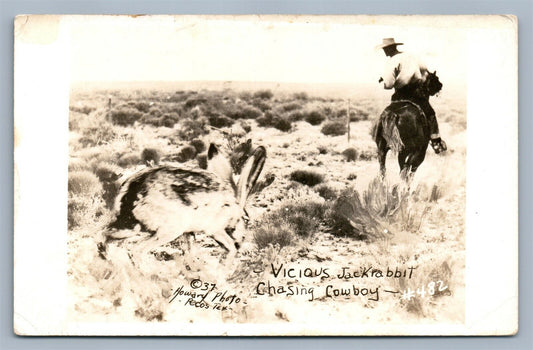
<point x="403" y="156"/>
<point x="416" y="159"/>
<point x="413" y="162"/>
<point x="382" y="157"/>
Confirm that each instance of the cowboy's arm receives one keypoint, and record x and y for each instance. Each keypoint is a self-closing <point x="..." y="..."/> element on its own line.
<point x="389" y="76"/>
<point x="423" y="69"/>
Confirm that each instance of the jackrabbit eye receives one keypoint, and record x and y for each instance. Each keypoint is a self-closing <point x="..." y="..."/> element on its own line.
<point x="245" y="219"/>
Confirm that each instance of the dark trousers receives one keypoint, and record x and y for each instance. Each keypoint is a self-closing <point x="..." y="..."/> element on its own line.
<point x="410" y="93"/>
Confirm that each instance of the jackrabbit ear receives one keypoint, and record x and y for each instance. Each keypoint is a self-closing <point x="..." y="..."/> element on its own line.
<point x="218" y="164"/>
<point x="250" y="173"/>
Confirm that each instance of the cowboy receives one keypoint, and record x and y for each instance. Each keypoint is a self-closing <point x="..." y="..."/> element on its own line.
<point x="405" y="73"/>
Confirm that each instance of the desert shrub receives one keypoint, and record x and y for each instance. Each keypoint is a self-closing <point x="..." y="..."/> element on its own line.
<point x="75" y="120"/>
<point x="266" y="235"/>
<point x="191" y="129"/>
<point x="76" y="209"/>
<point x="186" y="153"/>
<point x="282" y="225"/>
<point x="322" y="150"/>
<point x="291" y="106"/>
<point x="198" y="144"/>
<point x="328" y="111"/>
<point x="334" y="128"/>
<point x="128" y="159"/>
<point x="150" y="119"/>
<point x="395" y="203"/>
<point x="300" y="96"/>
<point x="368" y="155"/>
<point x="381" y="198"/>
<point x="326" y="192"/>
<point x="125" y="115"/>
<point x="219" y="120"/>
<point x="246" y="112"/>
<point x="356" y="115"/>
<point x="83" y="182"/>
<point x="245" y="95"/>
<point x="359" y="115"/>
<point x="263" y="94"/>
<point x="202" y="161"/>
<point x="350" y="154"/>
<point x="150" y="156"/>
<point x="274" y="121"/>
<point x="178" y="96"/>
<point x="167" y="120"/>
<point x="311" y="209"/>
<point x="307" y="177"/>
<point x="348" y="217"/>
<point x="76" y="164"/>
<point x="341" y="113"/>
<point x="83" y="210"/>
<point x="194" y="101"/>
<point x="314" y="118"/>
<point x="82" y="109"/>
<point x="304" y="218"/>
<point x="97" y="135"/>
<point x="296" y="116"/>
<point x="155" y="111"/>
<point x="282" y="124"/>
<point x="142" y="106"/>
<point x="261" y="104"/>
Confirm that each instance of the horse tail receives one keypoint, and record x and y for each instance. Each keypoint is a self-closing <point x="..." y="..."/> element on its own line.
<point x="377" y="130"/>
<point x="395" y="141"/>
<point x="388" y="129"/>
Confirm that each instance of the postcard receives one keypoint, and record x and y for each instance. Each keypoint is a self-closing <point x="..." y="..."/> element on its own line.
<point x="266" y="175"/>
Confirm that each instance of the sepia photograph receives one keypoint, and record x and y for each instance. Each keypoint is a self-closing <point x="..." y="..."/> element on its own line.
<point x="265" y="175"/>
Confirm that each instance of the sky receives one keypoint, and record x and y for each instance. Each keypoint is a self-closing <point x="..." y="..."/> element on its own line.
<point x="258" y="48"/>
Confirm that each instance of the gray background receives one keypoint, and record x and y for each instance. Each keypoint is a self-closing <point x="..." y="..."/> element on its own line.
<point x="523" y="9"/>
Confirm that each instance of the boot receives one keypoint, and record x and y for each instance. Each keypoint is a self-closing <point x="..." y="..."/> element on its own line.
<point x="438" y="145"/>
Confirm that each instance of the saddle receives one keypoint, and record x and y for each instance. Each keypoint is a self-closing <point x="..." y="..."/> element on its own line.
<point x="396" y="107"/>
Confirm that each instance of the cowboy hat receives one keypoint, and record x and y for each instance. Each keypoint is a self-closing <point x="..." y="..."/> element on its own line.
<point x="387" y="42"/>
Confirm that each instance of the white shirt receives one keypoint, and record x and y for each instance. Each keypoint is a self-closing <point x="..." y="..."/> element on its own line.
<point x="403" y="68"/>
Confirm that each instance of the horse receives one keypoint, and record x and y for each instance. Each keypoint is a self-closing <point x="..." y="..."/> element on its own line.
<point x="403" y="127"/>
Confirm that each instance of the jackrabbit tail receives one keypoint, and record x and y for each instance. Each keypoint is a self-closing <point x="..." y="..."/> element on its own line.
<point x="165" y="202"/>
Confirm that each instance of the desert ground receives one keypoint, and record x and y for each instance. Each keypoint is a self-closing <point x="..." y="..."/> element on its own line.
<point x="327" y="239"/>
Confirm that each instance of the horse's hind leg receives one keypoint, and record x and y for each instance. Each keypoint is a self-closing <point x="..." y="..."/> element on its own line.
<point x="416" y="159"/>
<point x="403" y="156"/>
<point x="382" y="155"/>
<point x="412" y="162"/>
